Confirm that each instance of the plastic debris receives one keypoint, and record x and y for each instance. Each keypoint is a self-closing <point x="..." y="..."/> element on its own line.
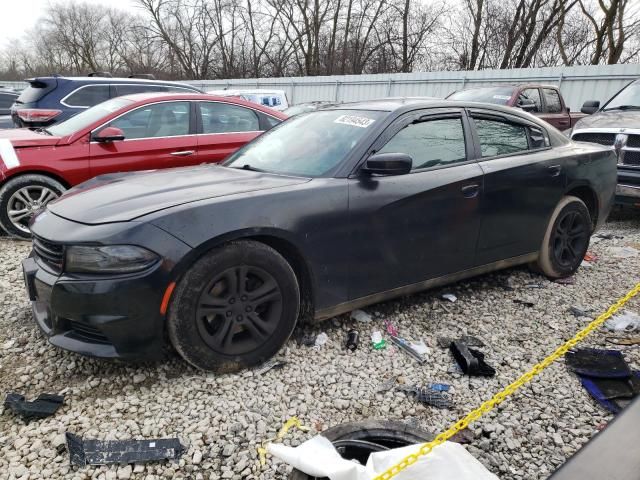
<point x="288" y="425"/>
<point x="439" y="387"/>
<point x="353" y="338"/>
<point x="594" y="362"/>
<point x="471" y="361"/>
<point x="44" y="406"/>
<point x="419" y="347"/>
<point x="377" y="341"/>
<point x="623" y="252"/>
<point x="269" y="365"/>
<point x="407" y="348"/>
<point x="526" y="303"/>
<point x="103" y="452"/>
<point x="361" y="316"/>
<point x="428" y="396"/>
<point x="320" y="340"/>
<point x="391" y="328"/>
<point x="590" y="257"/>
<point x="449" y="296"/>
<point x="625" y="322"/>
<point x="318" y="457"/>
<point x="566" y="280"/>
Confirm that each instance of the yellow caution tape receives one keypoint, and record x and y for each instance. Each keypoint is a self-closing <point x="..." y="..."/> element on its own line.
<point x="292" y="422"/>
<point x="501" y="396"/>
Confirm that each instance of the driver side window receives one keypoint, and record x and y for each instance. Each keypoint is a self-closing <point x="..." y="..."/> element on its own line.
<point x="166" y="119"/>
<point x="430" y="143"/>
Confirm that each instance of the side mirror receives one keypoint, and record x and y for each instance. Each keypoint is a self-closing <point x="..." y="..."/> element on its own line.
<point x="527" y="105"/>
<point x="590" y="106"/>
<point x="388" y="164"/>
<point x="109" y="134"/>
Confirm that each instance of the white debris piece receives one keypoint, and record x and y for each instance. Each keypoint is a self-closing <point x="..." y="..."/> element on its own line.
<point x="321" y="339"/>
<point x="625" y="322"/>
<point x="449" y="296"/>
<point x="318" y="457"/>
<point x="420" y="347"/>
<point x="361" y="316"/>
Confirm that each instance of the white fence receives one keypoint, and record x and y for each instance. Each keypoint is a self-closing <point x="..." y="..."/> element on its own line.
<point x="593" y="82"/>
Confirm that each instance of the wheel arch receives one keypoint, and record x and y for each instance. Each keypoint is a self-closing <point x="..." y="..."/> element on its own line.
<point x="277" y="239"/>
<point x="588" y="195"/>
<point x="45" y="173"/>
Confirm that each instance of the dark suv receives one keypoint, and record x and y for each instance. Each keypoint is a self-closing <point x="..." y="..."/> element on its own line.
<point x="7" y="97"/>
<point x="49" y="100"/>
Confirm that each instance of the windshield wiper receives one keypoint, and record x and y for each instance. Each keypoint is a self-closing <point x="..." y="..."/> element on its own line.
<point x="623" y="107"/>
<point x="246" y="166"/>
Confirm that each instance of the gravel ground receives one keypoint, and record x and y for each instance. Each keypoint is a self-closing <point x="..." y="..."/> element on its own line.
<point x="224" y="418"/>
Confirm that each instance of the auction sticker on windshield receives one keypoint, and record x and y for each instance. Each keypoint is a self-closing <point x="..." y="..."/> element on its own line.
<point x="501" y="97"/>
<point x="8" y="154"/>
<point x="354" y="121"/>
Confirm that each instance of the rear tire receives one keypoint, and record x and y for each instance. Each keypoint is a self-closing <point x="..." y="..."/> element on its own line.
<point x="22" y="197"/>
<point x="234" y="308"/>
<point x="566" y="240"/>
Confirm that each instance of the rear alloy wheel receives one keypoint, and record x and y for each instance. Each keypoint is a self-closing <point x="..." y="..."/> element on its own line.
<point x="566" y="240"/>
<point x="21" y="198"/>
<point x="234" y="308"/>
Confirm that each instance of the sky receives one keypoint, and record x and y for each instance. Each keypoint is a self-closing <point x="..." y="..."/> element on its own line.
<point x="17" y="16"/>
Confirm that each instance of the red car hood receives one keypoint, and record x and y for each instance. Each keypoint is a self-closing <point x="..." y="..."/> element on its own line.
<point x="23" y="137"/>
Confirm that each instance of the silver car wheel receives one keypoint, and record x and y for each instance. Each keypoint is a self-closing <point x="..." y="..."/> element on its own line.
<point x="24" y="204"/>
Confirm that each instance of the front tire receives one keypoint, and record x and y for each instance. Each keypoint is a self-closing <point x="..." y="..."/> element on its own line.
<point x="22" y="197"/>
<point x="566" y="239"/>
<point x="234" y="308"/>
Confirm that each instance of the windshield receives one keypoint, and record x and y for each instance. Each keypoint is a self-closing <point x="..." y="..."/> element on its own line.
<point x="87" y="117"/>
<point x="497" y="95"/>
<point x="628" y="98"/>
<point x="308" y="145"/>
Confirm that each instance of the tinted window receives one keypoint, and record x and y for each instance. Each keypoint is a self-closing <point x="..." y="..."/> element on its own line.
<point x="628" y="97"/>
<point x="270" y="121"/>
<point x="500" y="138"/>
<point x="309" y="145"/>
<point x="87" y="117"/>
<point x="131" y="89"/>
<point x="432" y="143"/>
<point x="532" y="94"/>
<point x="497" y="95"/>
<point x="88" y="96"/>
<point x="223" y="118"/>
<point x="167" y="119"/>
<point x="7" y="100"/>
<point x="537" y="138"/>
<point x="35" y="91"/>
<point x="552" y="99"/>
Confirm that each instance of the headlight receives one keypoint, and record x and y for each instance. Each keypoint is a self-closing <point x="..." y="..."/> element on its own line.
<point x="108" y="259"/>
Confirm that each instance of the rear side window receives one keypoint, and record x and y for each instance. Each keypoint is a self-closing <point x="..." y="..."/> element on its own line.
<point x="6" y="100"/>
<point x="88" y="96"/>
<point x="131" y="89"/>
<point x="225" y="118"/>
<point x="552" y="99"/>
<point x="500" y="138"/>
<point x="430" y="143"/>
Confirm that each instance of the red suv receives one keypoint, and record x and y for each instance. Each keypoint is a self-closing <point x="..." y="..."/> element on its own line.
<point x="134" y="132"/>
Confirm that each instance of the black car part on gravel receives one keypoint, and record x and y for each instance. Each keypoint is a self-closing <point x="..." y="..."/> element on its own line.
<point x="358" y="440"/>
<point x="44" y="406"/>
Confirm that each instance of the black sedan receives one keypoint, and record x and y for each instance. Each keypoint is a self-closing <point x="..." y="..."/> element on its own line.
<point x="328" y="212"/>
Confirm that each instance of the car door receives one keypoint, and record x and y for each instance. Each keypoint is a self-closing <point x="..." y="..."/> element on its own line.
<point x="422" y="225"/>
<point x="523" y="182"/>
<point x="157" y="135"/>
<point x="554" y="111"/>
<point x="224" y="128"/>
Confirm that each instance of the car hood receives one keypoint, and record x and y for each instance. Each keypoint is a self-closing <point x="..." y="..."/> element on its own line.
<point x="23" y="137"/>
<point x="613" y="119"/>
<point x="126" y="196"/>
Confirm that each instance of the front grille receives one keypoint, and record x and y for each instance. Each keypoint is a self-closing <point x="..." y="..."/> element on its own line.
<point x="50" y="253"/>
<point x="631" y="158"/>
<point x="633" y="141"/>
<point x="85" y="333"/>
<point x="595" y="137"/>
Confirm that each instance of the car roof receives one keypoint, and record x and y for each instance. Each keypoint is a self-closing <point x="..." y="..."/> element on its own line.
<point x="141" y="98"/>
<point x="112" y="80"/>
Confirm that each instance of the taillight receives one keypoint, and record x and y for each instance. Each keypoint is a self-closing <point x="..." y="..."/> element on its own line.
<point x="37" y="114"/>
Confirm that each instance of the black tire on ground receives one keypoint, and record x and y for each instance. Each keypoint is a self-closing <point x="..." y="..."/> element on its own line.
<point x="33" y="185"/>
<point x="234" y="308"/>
<point x="566" y="240"/>
<point x="385" y="433"/>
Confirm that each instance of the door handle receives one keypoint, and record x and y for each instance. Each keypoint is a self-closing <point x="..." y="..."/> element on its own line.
<point x="470" y="191"/>
<point x="183" y="153"/>
<point x="554" y="170"/>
